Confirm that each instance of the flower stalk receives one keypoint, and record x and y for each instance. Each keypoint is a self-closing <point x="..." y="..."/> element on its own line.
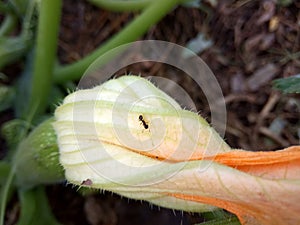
<point x="44" y="59"/>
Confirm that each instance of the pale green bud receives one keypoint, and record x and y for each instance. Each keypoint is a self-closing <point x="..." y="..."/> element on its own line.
<point x="127" y="135"/>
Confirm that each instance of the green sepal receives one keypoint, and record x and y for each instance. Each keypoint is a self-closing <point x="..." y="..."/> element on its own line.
<point x="37" y="158"/>
<point x="13" y="131"/>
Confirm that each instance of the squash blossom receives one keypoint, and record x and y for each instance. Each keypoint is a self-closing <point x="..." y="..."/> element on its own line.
<point x="129" y="137"/>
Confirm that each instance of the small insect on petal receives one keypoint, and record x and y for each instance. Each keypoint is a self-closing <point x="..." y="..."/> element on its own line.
<point x="141" y="118"/>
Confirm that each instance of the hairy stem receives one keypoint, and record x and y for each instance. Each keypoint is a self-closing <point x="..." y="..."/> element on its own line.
<point x="45" y="53"/>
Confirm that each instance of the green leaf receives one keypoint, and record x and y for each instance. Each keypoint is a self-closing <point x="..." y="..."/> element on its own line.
<point x="219" y="217"/>
<point x="13" y="132"/>
<point x="230" y="220"/>
<point x="12" y="49"/>
<point x="23" y="85"/>
<point x="7" y="95"/>
<point x="284" y="2"/>
<point x="288" y="85"/>
<point x="19" y="6"/>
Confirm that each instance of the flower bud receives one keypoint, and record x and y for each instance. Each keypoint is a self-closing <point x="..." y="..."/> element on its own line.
<point x="129" y="132"/>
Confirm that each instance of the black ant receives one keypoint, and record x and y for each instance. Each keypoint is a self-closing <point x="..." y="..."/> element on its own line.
<point x="146" y="126"/>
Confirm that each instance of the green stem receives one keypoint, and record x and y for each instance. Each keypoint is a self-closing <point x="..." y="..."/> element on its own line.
<point x="4" y="194"/>
<point x="150" y="16"/>
<point x="28" y="206"/>
<point x="4" y="171"/>
<point x="28" y="17"/>
<point x="45" y="53"/>
<point x="35" y="209"/>
<point x="121" y="6"/>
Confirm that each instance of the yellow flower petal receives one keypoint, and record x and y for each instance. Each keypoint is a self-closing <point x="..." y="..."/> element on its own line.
<point x="128" y="137"/>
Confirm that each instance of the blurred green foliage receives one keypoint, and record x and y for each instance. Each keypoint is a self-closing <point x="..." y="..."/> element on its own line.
<point x="288" y="85"/>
